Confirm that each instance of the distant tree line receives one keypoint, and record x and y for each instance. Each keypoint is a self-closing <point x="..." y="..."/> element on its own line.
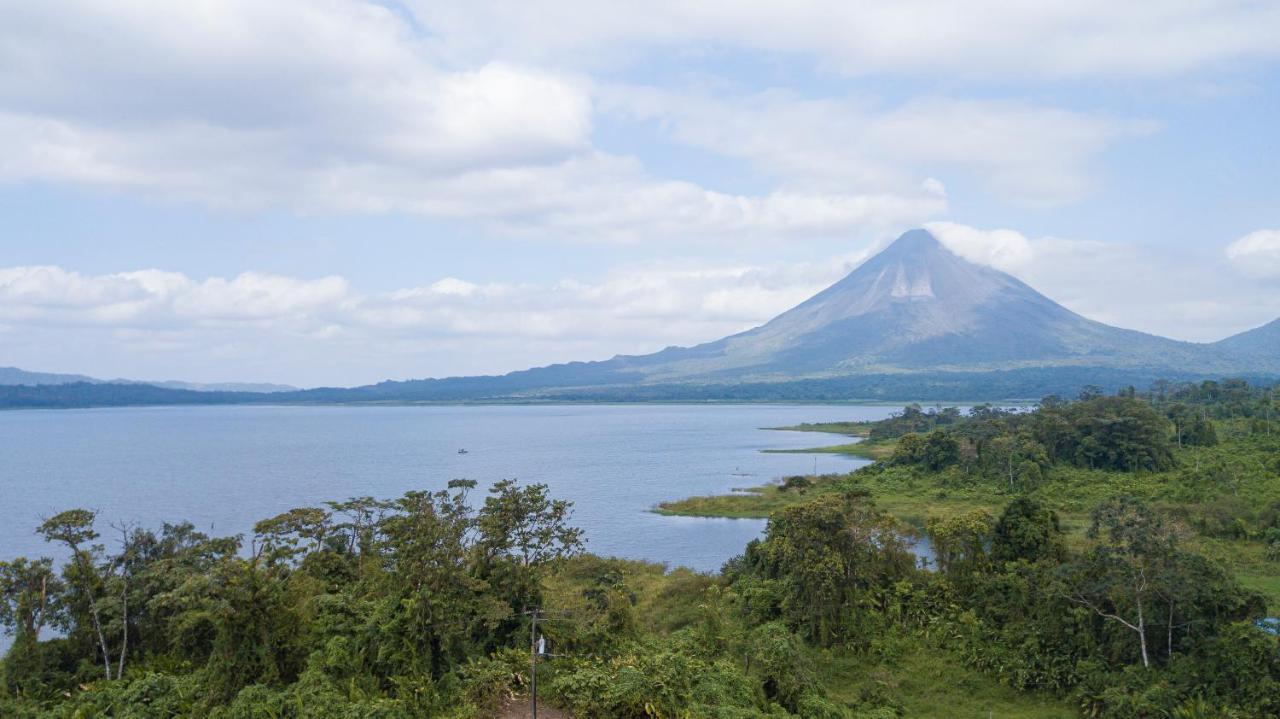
<point x="583" y="382"/>
<point x="1129" y="432"/>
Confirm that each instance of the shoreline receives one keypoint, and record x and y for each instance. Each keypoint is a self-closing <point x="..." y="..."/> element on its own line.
<point x="538" y="402"/>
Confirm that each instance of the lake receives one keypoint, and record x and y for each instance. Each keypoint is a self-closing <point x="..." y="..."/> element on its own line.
<point x="224" y="468"/>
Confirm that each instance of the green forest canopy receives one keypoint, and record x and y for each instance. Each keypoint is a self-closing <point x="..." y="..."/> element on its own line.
<point x="420" y="605"/>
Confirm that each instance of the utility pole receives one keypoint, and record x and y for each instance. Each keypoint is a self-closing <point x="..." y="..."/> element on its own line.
<point x="533" y="660"/>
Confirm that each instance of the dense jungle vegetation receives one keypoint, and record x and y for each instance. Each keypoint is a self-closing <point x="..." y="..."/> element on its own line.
<point x="1109" y="556"/>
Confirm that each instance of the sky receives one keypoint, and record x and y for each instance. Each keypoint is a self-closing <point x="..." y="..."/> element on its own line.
<point x="336" y="192"/>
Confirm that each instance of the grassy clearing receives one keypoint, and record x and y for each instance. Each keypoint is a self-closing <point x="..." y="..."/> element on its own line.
<point x="1249" y="561"/>
<point x="755" y="502"/>
<point x="927" y="682"/>
<point x="852" y="429"/>
<point x="866" y="449"/>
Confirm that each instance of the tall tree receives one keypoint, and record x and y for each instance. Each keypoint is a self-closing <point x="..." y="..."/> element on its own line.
<point x="1127" y="567"/>
<point x="74" y="528"/>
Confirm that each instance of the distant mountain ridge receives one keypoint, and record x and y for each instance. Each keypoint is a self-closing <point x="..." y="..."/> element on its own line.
<point x="1259" y="343"/>
<point x="916" y="321"/>
<point x="15" y="376"/>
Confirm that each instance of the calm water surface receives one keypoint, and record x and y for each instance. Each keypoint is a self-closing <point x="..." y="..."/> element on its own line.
<point x="224" y="468"/>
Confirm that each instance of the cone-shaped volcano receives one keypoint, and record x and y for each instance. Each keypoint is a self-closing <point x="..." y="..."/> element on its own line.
<point x="917" y="305"/>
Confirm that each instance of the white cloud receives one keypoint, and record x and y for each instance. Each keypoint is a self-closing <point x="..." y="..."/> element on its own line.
<point x="310" y="105"/>
<point x="1257" y="254"/>
<point x="452" y="286"/>
<point x="162" y="324"/>
<point x="982" y="39"/>
<point x="1166" y="291"/>
<point x="482" y="111"/>
<point x="257" y="296"/>
<point x="1033" y="154"/>
<point x="1007" y="250"/>
<point x="247" y="104"/>
<point x="343" y="106"/>
<point x="151" y="297"/>
<point x="601" y="197"/>
<point x="326" y="83"/>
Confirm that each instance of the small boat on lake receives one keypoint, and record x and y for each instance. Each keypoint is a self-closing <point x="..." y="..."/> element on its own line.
<point x="463" y="451"/>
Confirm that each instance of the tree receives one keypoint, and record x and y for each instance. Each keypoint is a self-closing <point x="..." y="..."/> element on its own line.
<point x="1160" y="390"/>
<point x="829" y="555"/>
<point x="525" y="524"/>
<point x="29" y="596"/>
<point x="1018" y="457"/>
<point x="165" y="569"/>
<point x="1191" y="426"/>
<point x="361" y="516"/>
<point x="961" y="542"/>
<point x="909" y="449"/>
<point x="934" y="451"/>
<point x="1027" y="531"/>
<point x="1053" y="430"/>
<point x="74" y="528"/>
<point x="430" y="594"/>
<point x="1120" y="433"/>
<point x="1126" y="567"/>
<point x="285" y="536"/>
<point x="521" y="532"/>
<point x="940" y="450"/>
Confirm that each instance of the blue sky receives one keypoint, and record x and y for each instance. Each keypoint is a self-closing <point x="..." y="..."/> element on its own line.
<point x="338" y="191"/>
